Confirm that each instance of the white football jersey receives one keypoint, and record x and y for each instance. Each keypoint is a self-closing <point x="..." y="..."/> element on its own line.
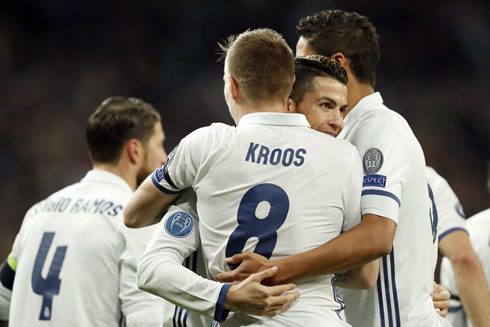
<point x="449" y="209"/>
<point x="76" y="261"/>
<point x="273" y="186"/>
<point x="395" y="187"/>
<point x="478" y="227"/>
<point x="173" y="260"/>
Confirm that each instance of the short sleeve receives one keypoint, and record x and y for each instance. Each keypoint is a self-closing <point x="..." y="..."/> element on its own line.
<point x="182" y="165"/>
<point x="385" y="156"/>
<point x="449" y="210"/>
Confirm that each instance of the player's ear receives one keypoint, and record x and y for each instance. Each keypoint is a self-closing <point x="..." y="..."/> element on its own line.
<point x="134" y="150"/>
<point x="234" y="87"/>
<point x="340" y="58"/>
<point x="291" y="105"/>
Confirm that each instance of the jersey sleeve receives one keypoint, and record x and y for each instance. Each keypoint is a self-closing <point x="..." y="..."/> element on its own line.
<point x="449" y="210"/>
<point x="9" y="268"/>
<point x="351" y="192"/>
<point x="386" y="164"/>
<point x="161" y="271"/>
<point x="139" y="308"/>
<point x="182" y="165"/>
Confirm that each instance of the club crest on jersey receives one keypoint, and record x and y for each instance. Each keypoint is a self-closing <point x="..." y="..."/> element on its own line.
<point x="180" y="224"/>
<point x="374" y="180"/>
<point x="459" y="209"/>
<point x="373" y="160"/>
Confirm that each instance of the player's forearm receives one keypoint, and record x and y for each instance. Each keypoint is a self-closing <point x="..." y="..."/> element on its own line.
<point x="361" y="278"/>
<point x="473" y="289"/>
<point x="167" y="278"/>
<point x="147" y="205"/>
<point x="371" y="239"/>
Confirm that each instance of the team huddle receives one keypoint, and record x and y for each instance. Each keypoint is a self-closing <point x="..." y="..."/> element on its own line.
<point x="316" y="209"/>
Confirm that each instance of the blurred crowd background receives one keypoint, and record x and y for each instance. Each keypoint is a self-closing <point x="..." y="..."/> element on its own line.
<point x="60" y="58"/>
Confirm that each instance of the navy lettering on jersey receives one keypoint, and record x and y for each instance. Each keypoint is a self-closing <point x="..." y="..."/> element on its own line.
<point x="276" y="155"/>
<point x="300" y="156"/>
<point x="76" y="206"/>
<point x="251" y="152"/>
<point x="261" y="154"/>
<point x="287" y="159"/>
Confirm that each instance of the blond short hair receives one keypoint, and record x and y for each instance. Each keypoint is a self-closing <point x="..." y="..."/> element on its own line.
<point x="262" y="63"/>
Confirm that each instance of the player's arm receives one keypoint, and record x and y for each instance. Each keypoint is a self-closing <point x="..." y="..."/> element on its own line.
<point x="161" y="272"/>
<point x="361" y="278"/>
<point x="147" y="205"/>
<point x="470" y="278"/>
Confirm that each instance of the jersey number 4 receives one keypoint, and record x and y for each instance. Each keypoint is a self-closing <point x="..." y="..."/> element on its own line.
<point x="263" y="228"/>
<point x="50" y="286"/>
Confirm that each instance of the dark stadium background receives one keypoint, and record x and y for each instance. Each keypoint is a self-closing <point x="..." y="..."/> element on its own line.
<point x="60" y="58"/>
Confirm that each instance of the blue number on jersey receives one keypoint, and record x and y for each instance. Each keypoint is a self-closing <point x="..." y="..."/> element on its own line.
<point x="433" y="216"/>
<point x="49" y="286"/>
<point x="249" y="225"/>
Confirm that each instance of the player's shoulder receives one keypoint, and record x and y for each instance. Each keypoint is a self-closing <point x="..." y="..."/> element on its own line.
<point x="479" y="220"/>
<point x="384" y="117"/>
<point x="215" y="130"/>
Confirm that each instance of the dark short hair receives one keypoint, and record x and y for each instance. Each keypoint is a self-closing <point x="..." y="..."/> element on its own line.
<point x="332" y="31"/>
<point x="262" y="63"/>
<point x="309" y="67"/>
<point x="117" y="120"/>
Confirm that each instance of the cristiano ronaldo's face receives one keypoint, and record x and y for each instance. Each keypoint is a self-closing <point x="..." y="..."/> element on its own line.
<point x="324" y="105"/>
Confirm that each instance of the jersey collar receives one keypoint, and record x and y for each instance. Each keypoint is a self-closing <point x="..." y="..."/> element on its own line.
<point x="274" y="118"/>
<point x="371" y="101"/>
<point x="106" y="177"/>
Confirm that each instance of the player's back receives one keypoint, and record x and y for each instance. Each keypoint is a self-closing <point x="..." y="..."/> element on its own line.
<point x="277" y="191"/>
<point x="72" y="256"/>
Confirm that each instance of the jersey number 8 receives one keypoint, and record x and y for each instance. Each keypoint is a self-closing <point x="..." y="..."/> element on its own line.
<point x="249" y="225"/>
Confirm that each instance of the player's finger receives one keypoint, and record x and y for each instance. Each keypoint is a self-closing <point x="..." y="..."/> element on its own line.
<point x="225" y="277"/>
<point x="280" y="303"/>
<point x="260" y="276"/>
<point x="237" y="258"/>
<point x="279" y="289"/>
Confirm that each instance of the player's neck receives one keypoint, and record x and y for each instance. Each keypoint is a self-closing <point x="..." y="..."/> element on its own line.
<point x="120" y="170"/>
<point x="272" y="107"/>
<point x="356" y="92"/>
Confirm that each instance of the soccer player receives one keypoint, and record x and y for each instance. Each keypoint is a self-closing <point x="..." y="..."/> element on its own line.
<point x="455" y="245"/>
<point x="279" y="202"/>
<point x="478" y="227"/>
<point x="73" y="261"/>
<point x="395" y="199"/>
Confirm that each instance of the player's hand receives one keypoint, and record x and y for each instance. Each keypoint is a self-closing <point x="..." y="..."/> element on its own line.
<point x="251" y="297"/>
<point x="441" y="297"/>
<point x="249" y="263"/>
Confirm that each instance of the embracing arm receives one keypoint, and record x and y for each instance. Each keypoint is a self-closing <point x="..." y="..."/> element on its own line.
<point x="371" y="239"/>
<point x="147" y="205"/>
<point x="360" y="278"/>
